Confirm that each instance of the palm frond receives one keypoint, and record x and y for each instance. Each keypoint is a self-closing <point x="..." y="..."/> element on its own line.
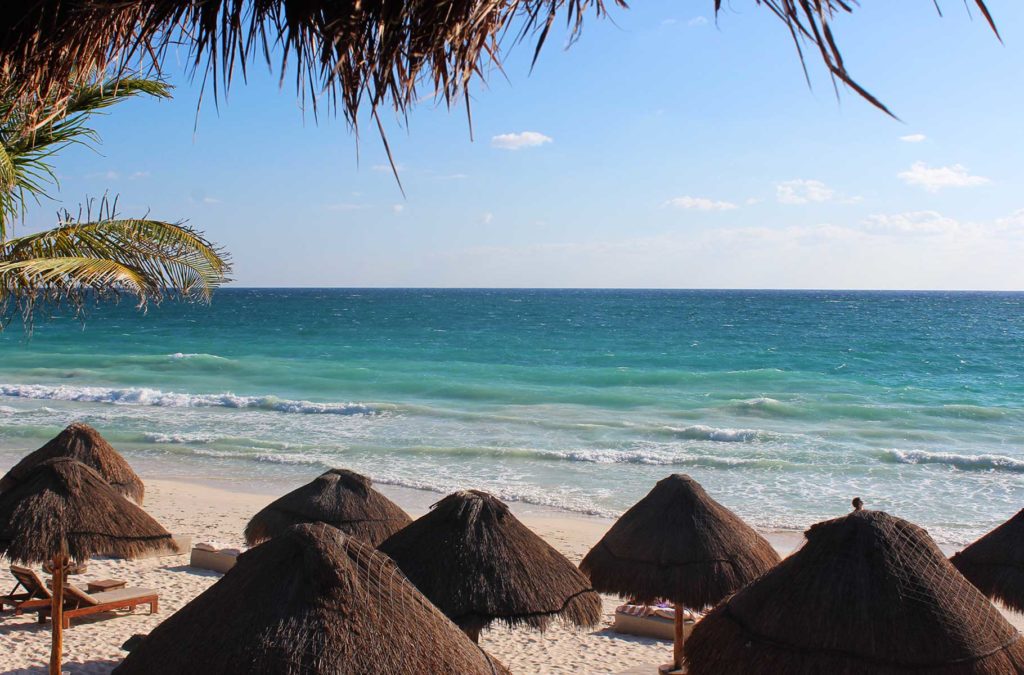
<point x="78" y="262"/>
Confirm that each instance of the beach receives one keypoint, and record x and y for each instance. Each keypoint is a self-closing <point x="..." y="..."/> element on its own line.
<point x="210" y="513"/>
<point x="217" y="515"/>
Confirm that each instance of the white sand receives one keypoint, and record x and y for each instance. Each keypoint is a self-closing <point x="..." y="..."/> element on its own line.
<point x="214" y="514"/>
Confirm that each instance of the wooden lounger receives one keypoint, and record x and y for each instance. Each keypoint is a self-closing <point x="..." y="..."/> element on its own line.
<point x="35" y="595"/>
<point x="79" y="603"/>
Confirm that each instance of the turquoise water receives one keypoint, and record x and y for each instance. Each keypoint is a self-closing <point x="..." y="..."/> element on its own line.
<point x="783" y="404"/>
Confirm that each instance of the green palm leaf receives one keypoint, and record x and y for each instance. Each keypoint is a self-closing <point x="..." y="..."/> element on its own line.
<point x="78" y="262"/>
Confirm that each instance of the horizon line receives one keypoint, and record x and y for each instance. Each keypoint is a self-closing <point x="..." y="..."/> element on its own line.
<point x="620" y="288"/>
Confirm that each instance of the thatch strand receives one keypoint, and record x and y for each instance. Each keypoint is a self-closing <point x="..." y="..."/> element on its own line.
<point x="81" y="442"/>
<point x="350" y="52"/>
<point x="867" y="593"/>
<point x="678" y="544"/>
<point x="479" y="564"/>
<point x="995" y="563"/>
<point x="63" y="505"/>
<point x="311" y="600"/>
<point x="339" y="497"/>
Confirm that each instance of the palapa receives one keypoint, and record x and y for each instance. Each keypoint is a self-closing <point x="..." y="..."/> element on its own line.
<point x="680" y="545"/>
<point x="995" y="563"/>
<point x="63" y="511"/>
<point x="479" y="564"/>
<point x="867" y="593"/>
<point x="311" y="600"/>
<point x="339" y="497"/>
<point x="82" y="442"/>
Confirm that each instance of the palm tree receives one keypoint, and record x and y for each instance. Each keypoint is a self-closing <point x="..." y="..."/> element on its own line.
<point x="86" y="258"/>
<point x="356" y="52"/>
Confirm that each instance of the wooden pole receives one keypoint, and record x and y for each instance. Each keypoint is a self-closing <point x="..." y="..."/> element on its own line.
<point x="57" y="614"/>
<point x="677" y="646"/>
<point x="473" y="633"/>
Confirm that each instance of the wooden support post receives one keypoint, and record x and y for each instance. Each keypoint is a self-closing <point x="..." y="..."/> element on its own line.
<point x="57" y="614"/>
<point x="677" y="646"/>
<point x="473" y="633"/>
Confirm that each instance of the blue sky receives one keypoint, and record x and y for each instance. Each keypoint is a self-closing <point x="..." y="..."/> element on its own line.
<point x="661" y="150"/>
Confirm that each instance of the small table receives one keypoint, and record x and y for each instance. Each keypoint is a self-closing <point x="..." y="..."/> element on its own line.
<point x="102" y="585"/>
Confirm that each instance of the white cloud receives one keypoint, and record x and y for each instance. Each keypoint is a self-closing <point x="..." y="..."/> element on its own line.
<point x="105" y="175"/>
<point x="697" y="21"/>
<point x="828" y="255"/>
<point x="700" y="204"/>
<point x="913" y="138"/>
<point x="486" y="218"/>
<point x="668" y="22"/>
<point x="1014" y="220"/>
<point x="938" y="178"/>
<point x="211" y="200"/>
<point x="397" y="208"/>
<point x="139" y="174"/>
<point x="523" y="139"/>
<point x="803" y="191"/>
<point x="912" y="222"/>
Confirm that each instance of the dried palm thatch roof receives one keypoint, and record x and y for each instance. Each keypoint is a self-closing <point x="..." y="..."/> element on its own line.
<point x="64" y="503"/>
<point x="311" y="600"/>
<point x="82" y="442"/>
<point x="867" y="593"/>
<point x="356" y="52"/>
<point x="478" y="564"/>
<point x="339" y="497"/>
<point x="678" y="544"/>
<point x="995" y="563"/>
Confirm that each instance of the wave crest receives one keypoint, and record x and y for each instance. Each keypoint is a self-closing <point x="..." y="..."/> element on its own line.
<point x="701" y="432"/>
<point x="963" y="462"/>
<point x="142" y="396"/>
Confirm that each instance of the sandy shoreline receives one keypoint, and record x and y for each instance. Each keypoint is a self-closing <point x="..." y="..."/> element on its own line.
<point x="209" y="513"/>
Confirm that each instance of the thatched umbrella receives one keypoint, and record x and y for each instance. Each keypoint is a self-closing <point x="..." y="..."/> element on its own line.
<point x="311" y="600"/>
<point x="995" y="563"/>
<point x="339" y="497"/>
<point x="479" y="564"/>
<point x="356" y="53"/>
<point x="82" y="442"/>
<point x="680" y="545"/>
<point x="63" y="511"/>
<point x="867" y="593"/>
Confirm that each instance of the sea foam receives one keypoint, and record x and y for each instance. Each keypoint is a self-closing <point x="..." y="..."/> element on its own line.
<point x="142" y="396"/>
<point x="965" y="462"/>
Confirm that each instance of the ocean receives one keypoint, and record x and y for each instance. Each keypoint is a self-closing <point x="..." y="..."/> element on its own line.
<point x="785" y="405"/>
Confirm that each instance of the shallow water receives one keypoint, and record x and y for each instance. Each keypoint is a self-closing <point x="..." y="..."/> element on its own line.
<point x="784" y="404"/>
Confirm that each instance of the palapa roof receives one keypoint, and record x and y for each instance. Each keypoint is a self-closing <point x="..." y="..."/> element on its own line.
<point x="62" y="502"/>
<point x="867" y="593"/>
<point x="82" y="442"/>
<point x="678" y="544"/>
<point x="995" y="563"/>
<point x="478" y="563"/>
<point x="311" y="600"/>
<point x="339" y="497"/>
<point x="352" y="53"/>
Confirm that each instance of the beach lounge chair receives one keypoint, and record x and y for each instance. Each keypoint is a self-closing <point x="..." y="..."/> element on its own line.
<point x="34" y="596"/>
<point x="78" y="603"/>
<point x="652" y="621"/>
